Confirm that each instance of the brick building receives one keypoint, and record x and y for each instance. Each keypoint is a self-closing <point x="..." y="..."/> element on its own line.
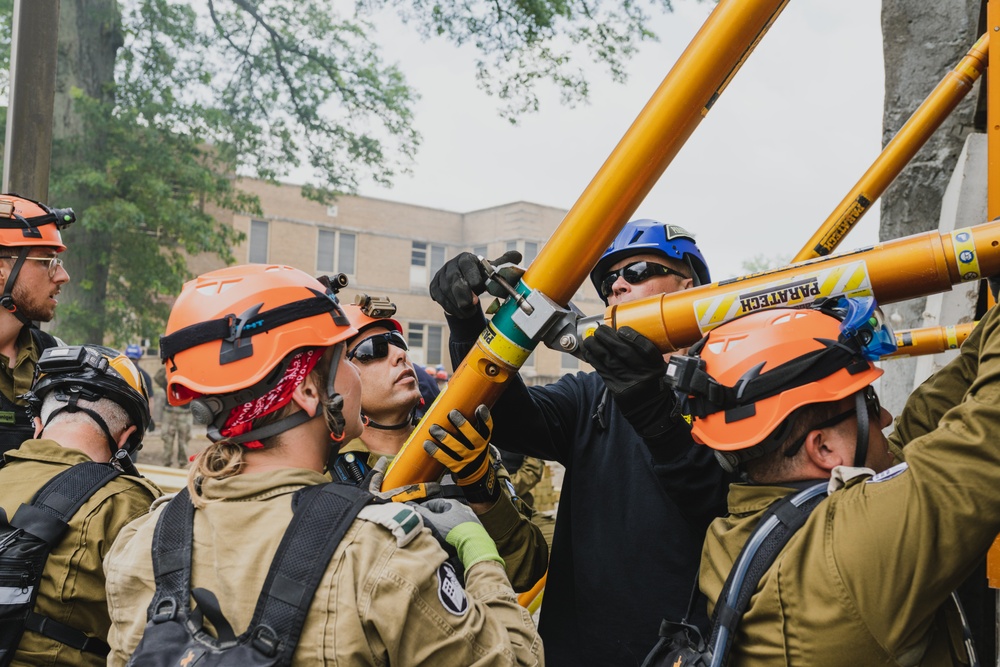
<point x="393" y="249"/>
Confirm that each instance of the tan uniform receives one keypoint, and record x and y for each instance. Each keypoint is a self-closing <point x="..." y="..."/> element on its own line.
<point x="865" y="581"/>
<point x="72" y="586"/>
<point x="15" y="379"/>
<point x="378" y="602"/>
<point x="520" y="542"/>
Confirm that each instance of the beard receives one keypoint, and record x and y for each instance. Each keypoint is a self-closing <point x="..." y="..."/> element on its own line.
<point x="32" y="305"/>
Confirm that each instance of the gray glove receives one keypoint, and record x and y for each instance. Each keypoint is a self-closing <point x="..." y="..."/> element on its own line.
<point x="445" y="514"/>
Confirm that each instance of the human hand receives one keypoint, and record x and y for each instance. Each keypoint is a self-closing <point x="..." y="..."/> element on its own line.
<point x="402" y="494"/>
<point x="457" y="285"/>
<point x="466" y="455"/>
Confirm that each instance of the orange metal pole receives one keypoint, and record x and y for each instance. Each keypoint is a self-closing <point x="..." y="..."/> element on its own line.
<point x="894" y="271"/>
<point x="930" y="340"/>
<point x="992" y="212"/>
<point x="898" y="152"/>
<point x="687" y="93"/>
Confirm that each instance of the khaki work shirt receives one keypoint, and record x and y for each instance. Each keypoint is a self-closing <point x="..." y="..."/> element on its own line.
<point x="72" y="586"/>
<point x="16" y="375"/>
<point x="519" y="542"/>
<point x="378" y="603"/>
<point x="866" y="580"/>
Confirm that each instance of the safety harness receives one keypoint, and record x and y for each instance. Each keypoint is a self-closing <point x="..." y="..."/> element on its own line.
<point x="175" y="633"/>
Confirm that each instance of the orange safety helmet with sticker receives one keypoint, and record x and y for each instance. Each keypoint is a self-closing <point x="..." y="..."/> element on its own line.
<point x="744" y="379"/>
<point x="27" y="224"/>
<point x="232" y="335"/>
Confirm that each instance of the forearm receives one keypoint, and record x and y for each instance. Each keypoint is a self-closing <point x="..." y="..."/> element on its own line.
<point x="519" y="542"/>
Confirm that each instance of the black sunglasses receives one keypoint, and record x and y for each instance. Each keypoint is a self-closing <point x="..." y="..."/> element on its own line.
<point x="377" y="347"/>
<point x="871" y="402"/>
<point x="635" y="273"/>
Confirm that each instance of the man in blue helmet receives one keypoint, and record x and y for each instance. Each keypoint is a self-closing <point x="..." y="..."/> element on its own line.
<point x="624" y="554"/>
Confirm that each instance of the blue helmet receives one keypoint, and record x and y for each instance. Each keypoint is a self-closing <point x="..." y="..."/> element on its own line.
<point x="640" y="237"/>
<point x="133" y="352"/>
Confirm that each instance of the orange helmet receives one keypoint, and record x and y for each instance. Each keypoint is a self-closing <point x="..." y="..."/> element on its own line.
<point x="744" y="379"/>
<point x="25" y="222"/>
<point x="212" y="343"/>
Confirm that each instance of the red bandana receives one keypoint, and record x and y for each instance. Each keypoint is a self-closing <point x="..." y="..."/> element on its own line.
<point x="241" y="418"/>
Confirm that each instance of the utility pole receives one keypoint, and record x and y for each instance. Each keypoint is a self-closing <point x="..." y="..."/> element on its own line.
<point x="28" y="146"/>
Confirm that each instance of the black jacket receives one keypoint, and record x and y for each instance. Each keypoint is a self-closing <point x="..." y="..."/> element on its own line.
<point x="625" y="554"/>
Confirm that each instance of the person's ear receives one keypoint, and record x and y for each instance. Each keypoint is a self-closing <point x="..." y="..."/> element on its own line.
<point x="825" y="449"/>
<point x="123" y="438"/>
<point x="307" y="395"/>
<point x="687" y="283"/>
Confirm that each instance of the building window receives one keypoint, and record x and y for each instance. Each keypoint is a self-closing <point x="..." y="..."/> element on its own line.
<point x="326" y="246"/>
<point x="258" y="242"/>
<point x="511" y="245"/>
<point x="345" y="252"/>
<point x="332" y="244"/>
<point x="530" y="252"/>
<point x="424" y="341"/>
<point x="570" y="363"/>
<point x="480" y="250"/>
<point x="425" y="260"/>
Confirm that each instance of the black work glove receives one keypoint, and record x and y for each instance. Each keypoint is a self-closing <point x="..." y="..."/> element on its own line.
<point x="461" y="280"/>
<point x="633" y="370"/>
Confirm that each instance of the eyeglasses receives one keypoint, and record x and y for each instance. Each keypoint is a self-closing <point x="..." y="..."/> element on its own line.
<point x="871" y="403"/>
<point x="377" y="347"/>
<point x="53" y="263"/>
<point x="635" y="273"/>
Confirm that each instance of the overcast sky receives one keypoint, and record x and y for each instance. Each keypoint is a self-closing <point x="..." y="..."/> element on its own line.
<point x="788" y="139"/>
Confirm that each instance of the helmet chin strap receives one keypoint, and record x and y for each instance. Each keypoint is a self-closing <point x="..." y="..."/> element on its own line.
<point x="406" y="423"/>
<point x="7" y="298"/>
<point x="864" y="421"/>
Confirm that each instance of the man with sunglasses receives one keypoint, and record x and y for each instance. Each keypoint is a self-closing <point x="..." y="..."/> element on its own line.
<point x="390" y="396"/>
<point x="785" y="396"/>
<point x="31" y="276"/>
<point x="624" y="553"/>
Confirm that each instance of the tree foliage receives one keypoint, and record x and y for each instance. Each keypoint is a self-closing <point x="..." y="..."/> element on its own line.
<point x="198" y="92"/>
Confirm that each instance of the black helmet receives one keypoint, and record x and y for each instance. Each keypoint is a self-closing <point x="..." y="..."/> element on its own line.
<point x="92" y="372"/>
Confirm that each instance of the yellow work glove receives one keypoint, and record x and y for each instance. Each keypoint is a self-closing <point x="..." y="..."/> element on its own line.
<point x="466" y="455"/>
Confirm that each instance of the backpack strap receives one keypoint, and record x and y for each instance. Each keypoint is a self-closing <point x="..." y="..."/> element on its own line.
<point x="781" y="520"/>
<point x="322" y="518"/>
<point x="43" y="339"/>
<point x="171" y="554"/>
<point x="47" y="515"/>
<point x="323" y="514"/>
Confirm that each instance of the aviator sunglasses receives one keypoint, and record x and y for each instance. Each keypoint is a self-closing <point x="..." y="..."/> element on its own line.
<point x="635" y="273"/>
<point x="377" y="347"/>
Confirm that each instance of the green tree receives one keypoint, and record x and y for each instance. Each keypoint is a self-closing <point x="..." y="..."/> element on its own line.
<point x="160" y="103"/>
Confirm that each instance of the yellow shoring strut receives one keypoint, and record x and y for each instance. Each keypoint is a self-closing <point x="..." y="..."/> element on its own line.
<point x="684" y="97"/>
<point x="898" y="152"/>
